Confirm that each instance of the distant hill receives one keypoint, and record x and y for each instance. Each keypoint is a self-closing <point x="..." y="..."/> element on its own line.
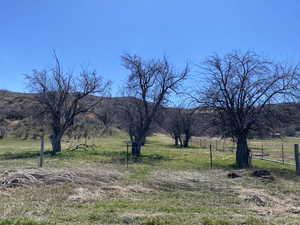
<point x="16" y="107"/>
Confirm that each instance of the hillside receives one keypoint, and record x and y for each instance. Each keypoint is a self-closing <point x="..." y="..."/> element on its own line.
<point x="16" y="107"/>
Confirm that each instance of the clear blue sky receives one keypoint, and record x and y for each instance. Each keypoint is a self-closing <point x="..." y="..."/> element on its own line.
<point x="97" y="32"/>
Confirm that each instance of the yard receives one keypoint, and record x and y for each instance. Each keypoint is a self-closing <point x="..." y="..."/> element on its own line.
<point x="167" y="186"/>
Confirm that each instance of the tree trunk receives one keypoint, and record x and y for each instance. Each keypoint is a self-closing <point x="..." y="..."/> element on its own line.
<point x="136" y="149"/>
<point x="186" y="141"/>
<point x="143" y="141"/>
<point x="242" y="152"/>
<point x="180" y="142"/>
<point x="176" y="140"/>
<point x="56" y="143"/>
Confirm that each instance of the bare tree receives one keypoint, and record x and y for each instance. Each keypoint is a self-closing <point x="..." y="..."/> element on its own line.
<point x="240" y="86"/>
<point x="64" y="96"/>
<point x="149" y="85"/>
<point x="173" y="125"/>
<point x="106" y="115"/>
<point x="181" y="124"/>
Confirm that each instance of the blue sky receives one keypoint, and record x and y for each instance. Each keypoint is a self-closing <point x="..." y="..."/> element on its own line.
<point x="95" y="33"/>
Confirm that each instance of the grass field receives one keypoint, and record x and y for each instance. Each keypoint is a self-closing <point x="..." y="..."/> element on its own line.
<point x="167" y="186"/>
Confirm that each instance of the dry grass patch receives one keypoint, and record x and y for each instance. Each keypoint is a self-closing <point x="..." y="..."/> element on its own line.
<point x="267" y="204"/>
<point x="106" y="192"/>
<point x="37" y="177"/>
<point x="190" y="180"/>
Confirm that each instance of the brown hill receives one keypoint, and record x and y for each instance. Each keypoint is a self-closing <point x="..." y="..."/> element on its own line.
<point x="16" y="107"/>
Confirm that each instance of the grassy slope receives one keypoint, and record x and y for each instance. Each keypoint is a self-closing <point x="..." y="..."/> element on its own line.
<point x="168" y="186"/>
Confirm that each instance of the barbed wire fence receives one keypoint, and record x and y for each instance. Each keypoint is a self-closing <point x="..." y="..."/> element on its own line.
<point x="283" y="153"/>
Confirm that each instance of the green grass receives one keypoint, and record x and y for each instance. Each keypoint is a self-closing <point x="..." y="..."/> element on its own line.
<point x="167" y="185"/>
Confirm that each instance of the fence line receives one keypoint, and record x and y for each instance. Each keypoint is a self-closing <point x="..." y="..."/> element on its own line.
<point x="281" y="153"/>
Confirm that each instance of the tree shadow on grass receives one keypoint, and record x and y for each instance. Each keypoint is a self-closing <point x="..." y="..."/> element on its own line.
<point x="22" y="155"/>
<point x="123" y="157"/>
<point x="173" y="146"/>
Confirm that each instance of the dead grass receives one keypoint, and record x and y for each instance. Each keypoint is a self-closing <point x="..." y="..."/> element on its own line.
<point x="167" y="186"/>
<point x="34" y="177"/>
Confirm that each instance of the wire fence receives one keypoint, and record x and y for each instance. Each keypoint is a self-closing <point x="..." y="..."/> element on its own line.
<point x="285" y="153"/>
<point x="277" y="152"/>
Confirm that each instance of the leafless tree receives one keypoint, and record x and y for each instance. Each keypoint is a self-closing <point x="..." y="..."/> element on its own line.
<point x="149" y="86"/>
<point x="239" y="87"/>
<point x="106" y="115"/>
<point x="64" y="96"/>
<point x="181" y="124"/>
<point x="173" y="125"/>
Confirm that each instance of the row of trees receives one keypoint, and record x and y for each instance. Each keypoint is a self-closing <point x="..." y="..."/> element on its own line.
<point x="232" y="92"/>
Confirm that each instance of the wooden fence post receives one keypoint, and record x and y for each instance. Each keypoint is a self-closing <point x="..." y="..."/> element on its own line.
<point x="282" y="153"/>
<point x="210" y="151"/>
<point x="216" y="145"/>
<point x="223" y="145"/>
<point x="127" y="147"/>
<point x="297" y="160"/>
<point x="42" y="151"/>
<point x="262" y="151"/>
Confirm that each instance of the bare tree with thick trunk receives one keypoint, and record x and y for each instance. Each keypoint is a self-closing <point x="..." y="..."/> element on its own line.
<point x="240" y="86"/>
<point x="64" y="96"/>
<point x="149" y="85"/>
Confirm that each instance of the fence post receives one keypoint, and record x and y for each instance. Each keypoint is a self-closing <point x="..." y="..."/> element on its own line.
<point x="127" y="154"/>
<point x="297" y="160"/>
<point x="210" y="151"/>
<point x="200" y="143"/>
<point x="282" y="153"/>
<point x="216" y="145"/>
<point x="42" y="152"/>
<point x="224" y="145"/>
<point x="262" y="151"/>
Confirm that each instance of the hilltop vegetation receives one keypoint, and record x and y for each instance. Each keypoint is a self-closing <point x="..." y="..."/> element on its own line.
<point x="15" y="108"/>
